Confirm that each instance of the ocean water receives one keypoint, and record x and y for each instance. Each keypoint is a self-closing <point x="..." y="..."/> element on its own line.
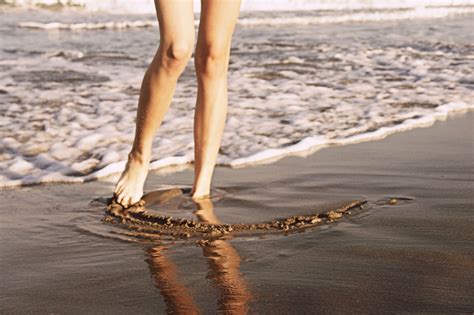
<point x="146" y="6"/>
<point x="298" y="80"/>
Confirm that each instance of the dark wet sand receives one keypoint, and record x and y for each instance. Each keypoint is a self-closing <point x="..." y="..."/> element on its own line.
<point x="414" y="256"/>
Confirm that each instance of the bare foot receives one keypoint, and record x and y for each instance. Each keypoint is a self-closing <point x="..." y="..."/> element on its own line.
<point x="199" y="193"/>
<point x="198" y="197"/>
<point x="129" y="188"/>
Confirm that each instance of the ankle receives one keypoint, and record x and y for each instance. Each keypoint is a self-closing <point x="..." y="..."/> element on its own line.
<point x="138" y="157"/>
<point x="200" y="196"/>
<point x="199" y="193"/>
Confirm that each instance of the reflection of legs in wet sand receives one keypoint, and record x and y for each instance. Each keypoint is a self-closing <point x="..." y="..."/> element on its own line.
<point x="205" y="211"/>
<point x="224" y="263"/>
<point x="177" y="298"/>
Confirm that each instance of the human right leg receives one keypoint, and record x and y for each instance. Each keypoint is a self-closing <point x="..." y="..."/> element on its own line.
<point x="176" y="20"/>
<point x="218" y="20"/>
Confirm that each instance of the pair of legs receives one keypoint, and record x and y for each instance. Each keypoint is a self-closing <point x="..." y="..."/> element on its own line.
<point x="176" y="20"/>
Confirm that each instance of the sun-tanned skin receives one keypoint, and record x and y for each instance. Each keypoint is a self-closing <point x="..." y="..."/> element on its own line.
<point x="176" y="20"/>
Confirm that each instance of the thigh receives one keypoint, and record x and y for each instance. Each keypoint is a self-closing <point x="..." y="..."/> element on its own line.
<point x="176" y="20"/>
<point x="217" y="23"/>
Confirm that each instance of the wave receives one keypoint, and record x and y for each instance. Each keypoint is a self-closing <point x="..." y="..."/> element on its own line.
<point x="311" y="144"/>
<point x="146" y="6"/>
<point x="72" y="101"/>
<point x="418" y="13"/>
<point x="89" y="26"/>
<point x="304" y="147"/>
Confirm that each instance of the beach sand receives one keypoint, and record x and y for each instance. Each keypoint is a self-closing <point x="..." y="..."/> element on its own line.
<point x="414" y="254"/>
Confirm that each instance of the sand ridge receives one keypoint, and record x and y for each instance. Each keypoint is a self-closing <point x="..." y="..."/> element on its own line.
<point x="154" y="225"/>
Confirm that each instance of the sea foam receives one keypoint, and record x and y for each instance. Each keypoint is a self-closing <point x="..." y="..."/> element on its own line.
<point x="68" y="102"/>
<point x="333" y="18"/>
<point x="145" y="6"/>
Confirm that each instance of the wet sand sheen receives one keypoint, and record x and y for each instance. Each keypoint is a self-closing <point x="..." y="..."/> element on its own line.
<point x="147" y="224"/>
<point x="412" y="253"/>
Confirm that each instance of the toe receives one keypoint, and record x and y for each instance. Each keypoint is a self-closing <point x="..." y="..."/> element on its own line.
<point x="120" y="199"/>
<point x="117" y="190"/>
<point x="126" y="201"/>
<point x="134" y="200"/>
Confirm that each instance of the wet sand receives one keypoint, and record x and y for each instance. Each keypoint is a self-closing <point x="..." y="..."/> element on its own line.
<point x="414" y="254"/>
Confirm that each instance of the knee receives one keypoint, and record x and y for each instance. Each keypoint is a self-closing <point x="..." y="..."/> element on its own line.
<point x="211" y="61"/>
<point x="174" y="57"/>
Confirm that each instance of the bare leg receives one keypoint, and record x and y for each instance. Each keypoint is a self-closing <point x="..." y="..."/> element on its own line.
<point x="176" y="19"/>
<point x="218" y="19"/>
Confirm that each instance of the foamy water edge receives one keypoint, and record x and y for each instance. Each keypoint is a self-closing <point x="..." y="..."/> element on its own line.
<point x="304" y="147"/>
<point x="145" y="6"/>
<point x="68" y="122"/>
<point x="417" y="13"/>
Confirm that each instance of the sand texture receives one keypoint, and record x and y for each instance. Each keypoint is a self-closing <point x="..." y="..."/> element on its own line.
<point x="410" y="249"/>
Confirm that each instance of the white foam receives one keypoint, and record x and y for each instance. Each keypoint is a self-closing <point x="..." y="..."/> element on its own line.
<point x="146" y="6"/>
<point x="304" y="147"/>
<point x="310" y="145"/>
<point x="90" y="26"/>
<point x="89" y="141"/>
<point x="62" y="122"/>
<point x="21" y="166"/>
<point x="417" y="13"/>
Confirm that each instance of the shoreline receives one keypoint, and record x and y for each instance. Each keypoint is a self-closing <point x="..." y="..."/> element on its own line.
<point x="414" y="255"/>
<point x="304" y="147"/>
<point x="288" y="90"/>
<point x="342" y="15"/>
